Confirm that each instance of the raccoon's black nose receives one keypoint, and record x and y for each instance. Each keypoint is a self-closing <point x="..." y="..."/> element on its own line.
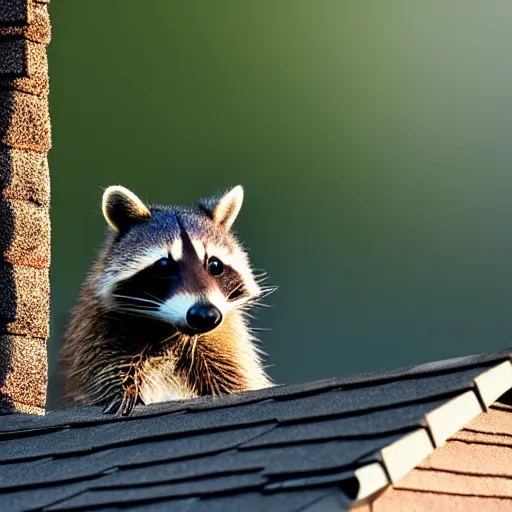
<point x="203" y="317"/>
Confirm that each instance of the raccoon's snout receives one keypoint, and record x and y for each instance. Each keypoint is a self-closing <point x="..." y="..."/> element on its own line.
<point x="203" y="317"/>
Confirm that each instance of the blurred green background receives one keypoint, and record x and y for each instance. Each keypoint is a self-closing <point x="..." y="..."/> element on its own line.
<point x="373" y="140"/>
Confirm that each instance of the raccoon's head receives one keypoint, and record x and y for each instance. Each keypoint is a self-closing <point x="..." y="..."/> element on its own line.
<point x="179" y="265"/>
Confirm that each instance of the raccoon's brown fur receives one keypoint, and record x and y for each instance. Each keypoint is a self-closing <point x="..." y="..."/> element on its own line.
<point x="126" y="347"/>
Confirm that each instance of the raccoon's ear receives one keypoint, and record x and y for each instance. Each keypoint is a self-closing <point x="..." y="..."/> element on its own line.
<point x="225" y="209"/>
<point x="122" y="209"/>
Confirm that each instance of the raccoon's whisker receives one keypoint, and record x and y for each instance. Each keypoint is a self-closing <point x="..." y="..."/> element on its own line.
<point x="135" y="308"/>
<point x="236" y="292"/>
<point x="135" y="311"/>
<point x="208" y="374"/>
<point x="257" y="304"/>
<point x="215" y="384"/>
<point x="268" y="290"/>
<point x="172" y="337"/>
<point x="249" y="304"/>
<point x="137" y="299"/>
<point x="193" y="353"/>
<point x="246" y="306"/>
<point x="158" y="301"/>
<point x="237" y="287"/>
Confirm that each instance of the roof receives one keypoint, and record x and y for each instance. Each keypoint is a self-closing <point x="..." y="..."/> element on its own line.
<point x="449" y="479"/>
<point x="319" y="446"/>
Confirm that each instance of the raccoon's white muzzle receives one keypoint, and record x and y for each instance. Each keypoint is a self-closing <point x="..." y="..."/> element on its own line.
<point x="193" y="313"/>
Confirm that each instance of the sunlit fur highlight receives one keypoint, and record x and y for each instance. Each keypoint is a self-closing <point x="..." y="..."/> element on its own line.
<point x="176" y="249"/>
<point x="137" y="206"/>
<point x="228" y="207"/>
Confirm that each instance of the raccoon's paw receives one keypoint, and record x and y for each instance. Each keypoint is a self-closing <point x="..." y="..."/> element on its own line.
<point x="123" y="403"/>
<point x="112" y="406"/>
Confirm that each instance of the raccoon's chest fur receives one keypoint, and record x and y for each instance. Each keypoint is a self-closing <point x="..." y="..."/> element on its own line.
<point x="214" y="364"/>
<point x="159" y="383"/>
<point x="160" y="390"/>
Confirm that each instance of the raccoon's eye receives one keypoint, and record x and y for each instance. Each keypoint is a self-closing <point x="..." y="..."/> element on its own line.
<point x="215" y="266"/>
<point x="165" y="267"/>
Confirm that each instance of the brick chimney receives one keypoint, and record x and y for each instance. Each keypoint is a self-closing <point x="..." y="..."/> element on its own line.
<point x="24" y="205"/>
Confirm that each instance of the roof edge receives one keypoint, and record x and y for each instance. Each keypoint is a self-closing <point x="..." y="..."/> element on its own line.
<point x="402" y="456"/>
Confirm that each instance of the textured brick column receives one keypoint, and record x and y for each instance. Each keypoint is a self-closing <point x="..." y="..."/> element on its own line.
<point x="24" y="205"/>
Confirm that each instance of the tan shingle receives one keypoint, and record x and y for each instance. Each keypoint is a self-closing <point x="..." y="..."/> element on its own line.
<point x="38" y="28"/>
<point x="24" y="176"/>
<point x="455" y="483"/>
<point x="36" y="80"/>
<point x="470" y="436"/>
<point x="494" y="422"/>
<point x="25" y="302"/>
<point x="25" y="361"/>
<point x="24" y="121"/>
<point x="397" y="500"/>
<point x="25" y="239"/>
<point x="462" y="457"/>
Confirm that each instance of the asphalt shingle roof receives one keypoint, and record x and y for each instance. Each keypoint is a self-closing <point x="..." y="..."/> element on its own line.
<point x="284" y="448"/>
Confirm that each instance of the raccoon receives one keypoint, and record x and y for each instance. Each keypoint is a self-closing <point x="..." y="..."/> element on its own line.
<point x="163" y="314"/>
